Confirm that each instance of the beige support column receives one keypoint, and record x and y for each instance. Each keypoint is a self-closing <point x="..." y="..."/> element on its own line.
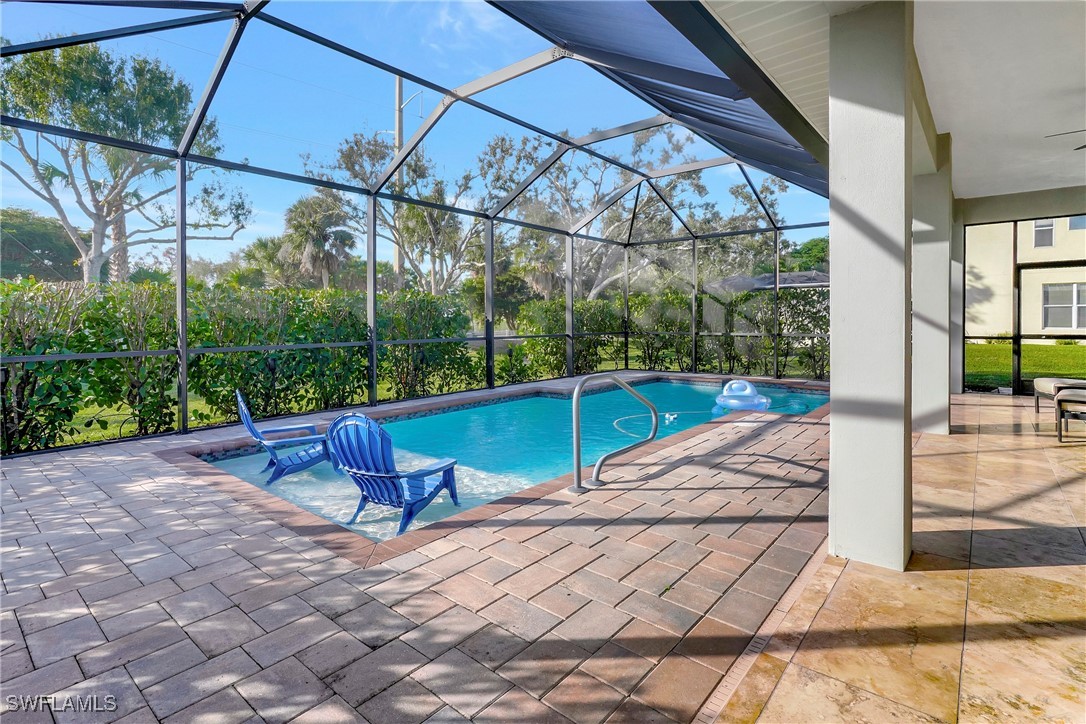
<point x="871" y="116"/>
<point x="933" y="217"/>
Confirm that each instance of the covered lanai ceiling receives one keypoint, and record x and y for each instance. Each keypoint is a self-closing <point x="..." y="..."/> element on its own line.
<point x="1000" y="77"/>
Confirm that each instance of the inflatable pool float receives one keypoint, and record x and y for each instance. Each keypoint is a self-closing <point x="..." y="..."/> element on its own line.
<point x="740" y="395"/>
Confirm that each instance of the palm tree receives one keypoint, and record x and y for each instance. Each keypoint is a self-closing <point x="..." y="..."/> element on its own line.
<point x="272" y="256"/>
<point x="317" y="233"/>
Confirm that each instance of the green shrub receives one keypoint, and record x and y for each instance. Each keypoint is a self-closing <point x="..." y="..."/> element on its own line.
<point x="46" y="404"/>
<point x="420" y="369"/>
<point x="40" y="400"/>
<point x="660" y="330"/>
<point x="280" y="381"/>
<point x="593" y="316"/>
<point x="136" y="317"/>
<point x="512" y="367"/>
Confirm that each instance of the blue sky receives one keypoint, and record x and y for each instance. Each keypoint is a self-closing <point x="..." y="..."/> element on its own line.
<point x="284" y="97"/>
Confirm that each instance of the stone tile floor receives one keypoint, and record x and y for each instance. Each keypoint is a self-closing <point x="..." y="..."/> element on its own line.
<point x="989" y="621"/>
<point x="124" y="576"/>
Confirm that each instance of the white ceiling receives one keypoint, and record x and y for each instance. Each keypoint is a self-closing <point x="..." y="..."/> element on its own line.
<point x="1000" y="76"/>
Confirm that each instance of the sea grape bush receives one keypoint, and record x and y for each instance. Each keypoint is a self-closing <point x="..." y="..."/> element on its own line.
<point x="276" y="382"/>
<point x="56" y="402"/>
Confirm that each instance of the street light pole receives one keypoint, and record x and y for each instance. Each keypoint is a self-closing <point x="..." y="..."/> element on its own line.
<point x="397" y="253"/>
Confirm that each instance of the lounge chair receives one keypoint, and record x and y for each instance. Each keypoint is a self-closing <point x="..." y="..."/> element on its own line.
<point x="280" y="465"/>
<point x="1070" y="404"/>
<point x="363" y="450"/>
<point x="1048" y="387"/>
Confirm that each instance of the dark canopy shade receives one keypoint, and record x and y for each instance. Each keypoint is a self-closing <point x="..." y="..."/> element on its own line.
<point x="644" y="52"/>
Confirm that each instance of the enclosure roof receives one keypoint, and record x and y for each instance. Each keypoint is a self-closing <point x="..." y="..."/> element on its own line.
<point x="744" y="283"/>
<point x="636" y="46"/>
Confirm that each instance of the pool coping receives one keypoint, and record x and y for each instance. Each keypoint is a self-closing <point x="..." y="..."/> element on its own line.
<point x="367" y="552"/>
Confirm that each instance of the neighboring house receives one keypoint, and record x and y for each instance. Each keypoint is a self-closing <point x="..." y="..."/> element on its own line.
<point x="1053" y="298"/>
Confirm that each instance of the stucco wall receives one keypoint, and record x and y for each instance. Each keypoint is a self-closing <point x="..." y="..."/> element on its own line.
<point x="989" y="270"/>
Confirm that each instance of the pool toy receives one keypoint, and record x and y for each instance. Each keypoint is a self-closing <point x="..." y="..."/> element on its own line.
<point x="740" y="395"/>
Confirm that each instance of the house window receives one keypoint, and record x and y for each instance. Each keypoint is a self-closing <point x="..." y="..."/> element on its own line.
<point x="1042" y="232"/>
<point x="1063" y="306"/>
<point x="1077" y="223"/>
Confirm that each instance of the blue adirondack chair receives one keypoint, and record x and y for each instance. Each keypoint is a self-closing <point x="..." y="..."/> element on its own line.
<point x="314" y="451"/>
<point x="363" y="450"/>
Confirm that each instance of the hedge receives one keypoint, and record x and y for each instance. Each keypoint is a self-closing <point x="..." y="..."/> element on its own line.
<point x="46" y="404"/>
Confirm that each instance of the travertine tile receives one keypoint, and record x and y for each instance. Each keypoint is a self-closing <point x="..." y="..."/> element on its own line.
<point x="805" y="695"/>
<point x="906" y="667"/>
<point x="748" y="701"/>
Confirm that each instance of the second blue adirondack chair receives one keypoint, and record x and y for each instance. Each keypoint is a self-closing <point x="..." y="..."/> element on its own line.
<point x="363" y="450"/>
<point x="313" y="452"/>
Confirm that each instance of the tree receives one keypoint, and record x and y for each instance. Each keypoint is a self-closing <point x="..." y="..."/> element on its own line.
<point x="437" y="245"/>
<point x="511" y="292"/>
<point x="813" y="254"/>
<point x="744" y="254"/>
<point x="36" y="245"/>
<point x="352" y="276"/>
<point x="272" y="256"/>
<point x="135" y="99"/>
<point x="317" y="234"/>
<point x="579" y="183"/>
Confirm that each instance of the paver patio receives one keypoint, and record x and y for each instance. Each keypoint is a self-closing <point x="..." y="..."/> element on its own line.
<point x="125" y="575"/>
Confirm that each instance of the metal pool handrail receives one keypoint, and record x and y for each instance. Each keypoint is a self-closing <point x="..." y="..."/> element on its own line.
<point x="577" y="487"/>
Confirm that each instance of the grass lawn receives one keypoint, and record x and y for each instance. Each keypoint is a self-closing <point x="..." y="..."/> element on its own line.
<point x="988" y="366"/>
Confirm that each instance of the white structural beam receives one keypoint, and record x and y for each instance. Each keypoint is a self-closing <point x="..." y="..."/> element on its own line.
<point x="871" y="116"/>
<point x="933" y="221"/>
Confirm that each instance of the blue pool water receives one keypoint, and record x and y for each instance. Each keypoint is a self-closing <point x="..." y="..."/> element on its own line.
<point x="505" y="447"/>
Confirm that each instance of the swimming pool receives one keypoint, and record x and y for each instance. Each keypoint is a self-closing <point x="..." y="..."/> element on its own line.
<point x="505" y="447"/>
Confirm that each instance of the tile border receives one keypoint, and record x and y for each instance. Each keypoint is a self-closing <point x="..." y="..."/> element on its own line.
<point x="725" y="690"/>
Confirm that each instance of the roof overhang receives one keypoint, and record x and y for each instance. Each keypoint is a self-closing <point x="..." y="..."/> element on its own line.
<point x="676" y="57"/>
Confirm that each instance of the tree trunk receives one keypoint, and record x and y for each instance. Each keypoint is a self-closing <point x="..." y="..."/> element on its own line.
<point x="119" y="270"/>
<point x="92" y="267"/>
<point x="94" y="258"/>
<point x="433" y="268"/>
<point x="325" y="277"/>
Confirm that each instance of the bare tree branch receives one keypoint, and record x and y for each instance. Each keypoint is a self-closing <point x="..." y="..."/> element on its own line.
<point x="46" y="192"/>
